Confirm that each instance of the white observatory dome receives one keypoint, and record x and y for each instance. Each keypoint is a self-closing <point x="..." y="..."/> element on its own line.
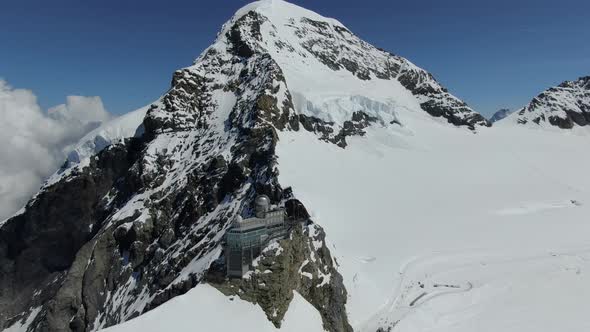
<point x="262" y="201"/>
<point x="261" y="205"/>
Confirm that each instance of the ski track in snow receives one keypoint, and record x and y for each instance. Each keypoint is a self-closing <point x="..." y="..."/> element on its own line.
<point x="533" y="207"/>
<point x="422" y="279"/>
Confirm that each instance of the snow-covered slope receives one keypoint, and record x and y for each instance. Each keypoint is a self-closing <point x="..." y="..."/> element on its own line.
<point x="111" y="132"/>
<point x="205" y="308"/>
<point x="499" y="251"/>
<point x="564" y="106"/>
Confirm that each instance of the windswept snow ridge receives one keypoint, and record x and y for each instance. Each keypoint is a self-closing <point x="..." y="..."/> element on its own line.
<point x="111" y="132"/>
<point x="206" y="308"/>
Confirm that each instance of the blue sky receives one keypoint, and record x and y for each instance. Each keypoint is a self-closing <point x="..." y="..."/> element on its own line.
<point x="491" y="54"/>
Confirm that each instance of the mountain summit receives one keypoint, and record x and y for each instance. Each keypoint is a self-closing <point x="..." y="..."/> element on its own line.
<point x="564" y="106"/>
<point x="328" y="72"/>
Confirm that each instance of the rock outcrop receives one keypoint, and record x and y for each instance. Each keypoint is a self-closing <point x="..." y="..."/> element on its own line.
<point x="301" y="263"/>
<point x="564" y="106"/>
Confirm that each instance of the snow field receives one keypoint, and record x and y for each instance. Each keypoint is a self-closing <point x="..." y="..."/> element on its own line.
<point x="206" y="309"/>
<point x="394" y="197"/>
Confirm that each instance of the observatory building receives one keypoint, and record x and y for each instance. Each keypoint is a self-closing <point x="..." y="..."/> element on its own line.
<point x="247" y="237"/>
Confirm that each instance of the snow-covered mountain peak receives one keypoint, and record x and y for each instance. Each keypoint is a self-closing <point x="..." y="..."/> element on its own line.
<point x="328" y="71"/>
<point x="580" y="83"/>
<point x="279" y="10"/>
<point x="565" y="106"/>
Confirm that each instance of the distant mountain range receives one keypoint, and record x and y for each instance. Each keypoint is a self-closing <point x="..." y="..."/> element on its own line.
<point x="500" y="114"/>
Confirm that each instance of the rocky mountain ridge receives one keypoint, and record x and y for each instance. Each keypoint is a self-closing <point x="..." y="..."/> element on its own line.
<point x="563" y="106"/>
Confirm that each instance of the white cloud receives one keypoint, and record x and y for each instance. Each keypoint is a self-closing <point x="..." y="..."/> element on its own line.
<point x="80" y="109"/>
<point x="34" y="143"/>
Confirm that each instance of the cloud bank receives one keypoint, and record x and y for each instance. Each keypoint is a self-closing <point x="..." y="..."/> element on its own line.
<point x="34" y="143"/>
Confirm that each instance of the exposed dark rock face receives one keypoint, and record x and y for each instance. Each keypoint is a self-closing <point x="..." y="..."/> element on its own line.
<point x="326" y="132"/>
<point x="437" y="101"/>
<point x="318" y="126"/>
<point x="294" y="208"/>
<point x="564" y="106"/>
<point x="135" y="221"/>
<point x="39" y="246"/>
<point x="354" y="127"/>
<point x="243" y="31"/>
<point x="301" y="263"/>
<point x="184" y="107"/>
